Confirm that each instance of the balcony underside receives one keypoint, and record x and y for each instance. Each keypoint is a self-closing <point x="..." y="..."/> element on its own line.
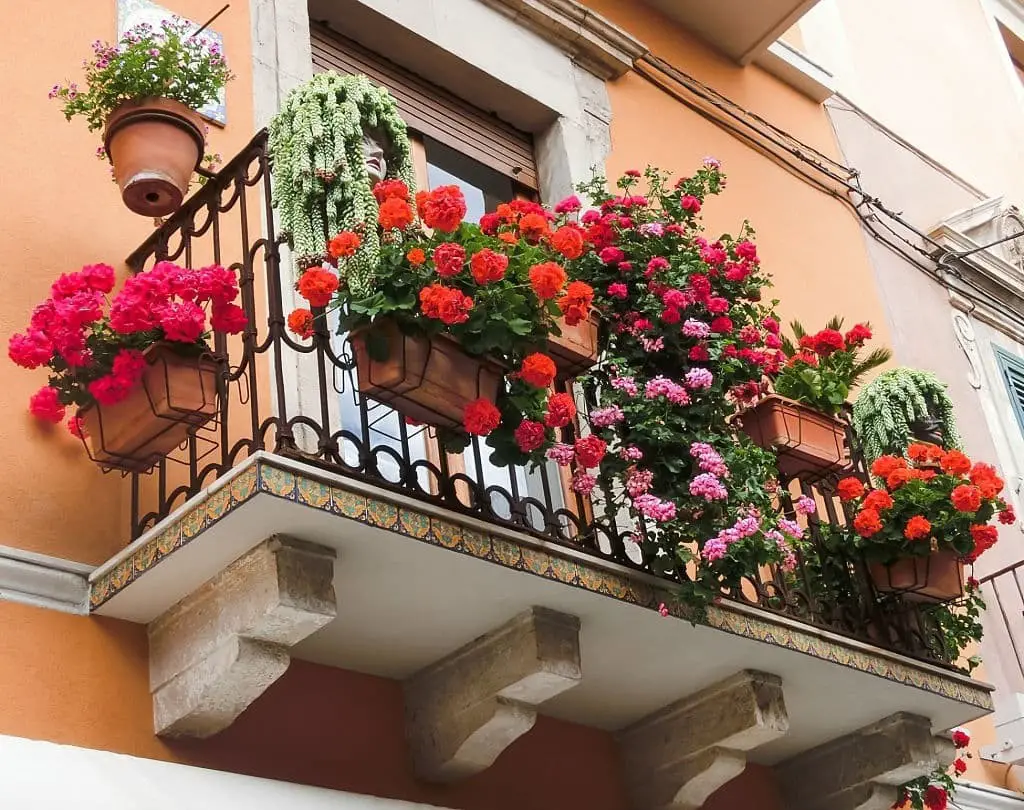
<point x="415" y="582"/>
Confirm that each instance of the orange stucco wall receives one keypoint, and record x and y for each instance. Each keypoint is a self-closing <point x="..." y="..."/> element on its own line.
<point x="60" y="211"/>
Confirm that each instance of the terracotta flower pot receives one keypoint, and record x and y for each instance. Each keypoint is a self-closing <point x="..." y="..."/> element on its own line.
<point x="809" y="443"/>
<point x="939" y="577"/>
<point x="430" y="380"/>
<point x="575" y="350"/>
<point x="154" y="145"/>
<point x="177" y="394"/>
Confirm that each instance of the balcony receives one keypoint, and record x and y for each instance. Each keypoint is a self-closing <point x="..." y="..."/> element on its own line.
<point x="352" y="543"/>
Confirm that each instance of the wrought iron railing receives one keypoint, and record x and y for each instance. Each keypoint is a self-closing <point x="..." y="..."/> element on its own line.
<point x="300" y="399"/>
<point x="1003" y="592"/>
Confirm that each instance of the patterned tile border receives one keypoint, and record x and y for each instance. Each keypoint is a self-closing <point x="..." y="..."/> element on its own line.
<point x="265" y="477"/>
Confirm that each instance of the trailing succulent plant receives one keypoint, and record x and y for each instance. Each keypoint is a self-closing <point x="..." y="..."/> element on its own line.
<point x="321" y="184"/>
<point x="901" y="406"/>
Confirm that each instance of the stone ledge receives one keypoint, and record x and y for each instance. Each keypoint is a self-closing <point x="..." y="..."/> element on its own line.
<point x="43" y="581"/>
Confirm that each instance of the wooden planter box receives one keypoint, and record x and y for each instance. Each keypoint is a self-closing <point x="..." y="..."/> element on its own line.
<point x="809" y="443"/>
<point x="176" y="396"/>
<point x="939" y="577"/>
<point x="575" y="350"/>
<point x="430" y="380"/>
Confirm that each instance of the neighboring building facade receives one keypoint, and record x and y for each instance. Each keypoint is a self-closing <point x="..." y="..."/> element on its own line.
<point x="940" y="146"/>
<point x="346" y="637"/>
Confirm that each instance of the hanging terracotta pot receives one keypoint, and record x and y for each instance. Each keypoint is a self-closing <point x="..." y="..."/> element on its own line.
<point x="176" y="396"/>
<point x="575" y="350"/>
<point x="428" y="379"/>
<point x="939" y="577"/>
<point x="154" y="145"/>
<point x="808" y="443"/>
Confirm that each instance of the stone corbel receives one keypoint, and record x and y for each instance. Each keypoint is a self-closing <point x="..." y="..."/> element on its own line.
<point x="465" y="709"/>
<point x="221" y="647"/>
<point x="677" y="757"/>
<point x="862" y="770"/>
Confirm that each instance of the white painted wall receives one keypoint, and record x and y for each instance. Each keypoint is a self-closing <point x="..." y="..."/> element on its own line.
<point x="937" y="73"/>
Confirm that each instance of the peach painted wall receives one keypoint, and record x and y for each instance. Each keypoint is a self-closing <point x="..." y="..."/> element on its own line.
<point x="317" y="725"/>
<point x="60" y="211"/>
<point x="811" y="243"/>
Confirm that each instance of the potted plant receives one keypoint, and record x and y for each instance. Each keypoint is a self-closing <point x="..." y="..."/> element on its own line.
<point x="799" y="420"/>
<point x="138" y="367"/>
<point x="919" y="528"/>
<point x="455" y="311"/>
<point x="143" y="93"/>
<point x="902" y="405"/>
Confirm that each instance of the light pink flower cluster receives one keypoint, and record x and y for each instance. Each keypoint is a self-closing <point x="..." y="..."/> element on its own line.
<point x="625" y="384"/>
<point x="708" y="459"/>
<point x="631" y="453"/>
<point x="716" y="547"/>
<point x="583" y="483"/>
<point x="791" y="527"/>
<point x="708" y="487"/>
<point x="788" y="556"/>
<point x="652" y="229"/>
<point x="805" y="505"/>
<point x="561" y="454"/>
<point x="655" y="508"/>
<point x="652" y="345"/>
<point x="695" y="329"/>
<point x="664" y="387"/>
<point x="638" y="481"/>
<point x="699" y="379"/>
<point x="606" y="417"/>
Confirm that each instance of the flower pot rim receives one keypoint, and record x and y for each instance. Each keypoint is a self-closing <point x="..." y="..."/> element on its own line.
<point x="170" y="110"/>
<point x="484" y="358"/>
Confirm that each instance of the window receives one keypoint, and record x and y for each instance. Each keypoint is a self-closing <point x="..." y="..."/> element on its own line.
<point x="491" y="162"/>
<point x="1012" y="370"/>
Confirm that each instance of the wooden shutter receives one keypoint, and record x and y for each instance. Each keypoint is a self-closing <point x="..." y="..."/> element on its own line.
<point x="1012" y="369"/>
<point x="431" y="111"/>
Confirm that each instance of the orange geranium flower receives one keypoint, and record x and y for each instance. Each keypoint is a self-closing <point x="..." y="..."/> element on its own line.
<point x="575" y="304"/>
<point x="850" y="488"/>
<point x="867" y="522"/>
<point x="966" y="498"/>
<point x="300" y="321"/>
<point x="395" y="213"/>
<point x="508" y="237"/>
<point x="505" y="213"/>
<point x="416" y="256"/>
<point x="481" y="417"/>
<point x="317" y="285"/>
<point x="955" y="463"/>
<point x="547" y="280"/>
<point x="345" y="243"/>
<point x="487" y="266"/>
<point x="390" y="189"/>
<point x="538" y="370"/>
<point x="534" y="226"/>
<point x="568" y="241"/>
<point x="878" y="499"/>
<point x="922" y="451"/>
<point x="883" y="465"/>
<point x="917" y="528"/>
<point x="986" y="479"/>
<point x="442" y="208"/>
<point x="899" y="477"/>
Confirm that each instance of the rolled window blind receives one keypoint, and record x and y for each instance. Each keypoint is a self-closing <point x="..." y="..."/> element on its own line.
<point x="431" y="111"/>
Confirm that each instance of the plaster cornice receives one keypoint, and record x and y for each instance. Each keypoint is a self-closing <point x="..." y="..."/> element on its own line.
<point x="592" y="41"/>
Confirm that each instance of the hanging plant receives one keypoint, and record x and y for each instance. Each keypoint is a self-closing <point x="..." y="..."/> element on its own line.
<point x="321" y="182"/>
<point x="900" y="406"/>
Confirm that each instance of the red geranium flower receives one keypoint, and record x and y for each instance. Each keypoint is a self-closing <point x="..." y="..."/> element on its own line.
<point x="529" y="435"/>
<point x="917" y="528"/>
<point x="317" y="285"/>
<point x="487" y="266"/>
<point x="878" y="500"/>
<point x="300" y="321"/>
<point x="966" y="498"/>
<point x="446" y="304"/>
<point x="390" y="189"/>
<point x="985" y="478"/>
<point x="984" y="537"/>
<point x="538" y="370"/>
<point x="867" y="522"/>
<point x="449" y="259"/>
<point x="533" y="226"/>
<point x="920" y="451"/>
<point x="961" y="738"/>
<point x="395" y="213"/>
<point x="590" y="450"/>
<point x="828" y="341"/>
<point x="561" y="410"/>
<point x="442" y="208"/>
<point x="45" y="405"/>
<point x="850" y="488"/>
<point x="883" y="465"/>
<point x="722" y="325"/>
<point x="955" y="463"/>
<point x="858" y="335"/>
<point x="345" y="243"/>
<point x="547" y="280"/>
<point x="959" y="767"/>
<point x="935" y="798"/>
<point x="481" y="417"/>
<point x="899" y="477"/>
<point x="1007" y="516"/>
<point x="568" y="240"/>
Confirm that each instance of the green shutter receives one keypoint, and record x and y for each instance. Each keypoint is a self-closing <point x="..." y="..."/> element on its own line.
<point x="1012" y="369"/>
